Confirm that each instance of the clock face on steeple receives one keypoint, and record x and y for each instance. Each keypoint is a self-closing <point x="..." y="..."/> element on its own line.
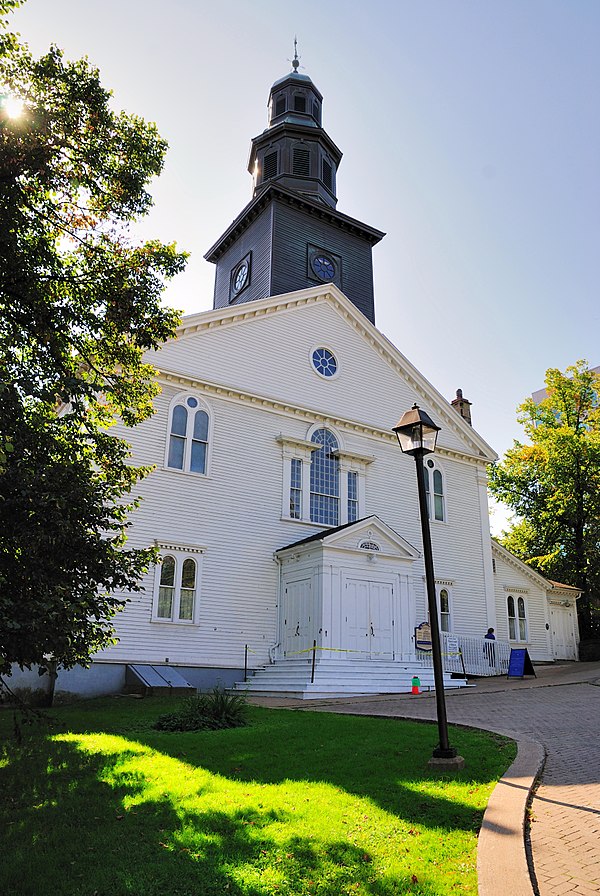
<point x="240" y="277"/>
<point x="323" y="267"/>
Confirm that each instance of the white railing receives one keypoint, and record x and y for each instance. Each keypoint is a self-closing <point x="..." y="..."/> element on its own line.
<point x="471" y="656"/>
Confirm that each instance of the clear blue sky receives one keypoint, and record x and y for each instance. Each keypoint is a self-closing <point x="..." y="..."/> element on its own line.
<point x="470" y="133"/>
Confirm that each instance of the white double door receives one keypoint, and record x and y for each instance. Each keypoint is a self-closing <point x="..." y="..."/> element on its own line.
<point x="368" y="619"/>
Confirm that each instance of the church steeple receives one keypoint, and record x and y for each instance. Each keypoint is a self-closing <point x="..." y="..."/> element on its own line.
<point x="291" y="236"/>
<point x="294" y="151"/>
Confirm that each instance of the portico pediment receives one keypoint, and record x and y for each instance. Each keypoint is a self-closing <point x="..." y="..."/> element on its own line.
<point x="369" y="536"/>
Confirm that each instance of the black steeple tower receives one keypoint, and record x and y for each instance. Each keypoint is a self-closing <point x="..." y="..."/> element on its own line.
<point x="291" y="235"/>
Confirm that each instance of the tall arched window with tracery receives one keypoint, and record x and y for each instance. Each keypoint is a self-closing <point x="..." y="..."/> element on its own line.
<point x="325" y="480"/>
<point x="188" y="436"/>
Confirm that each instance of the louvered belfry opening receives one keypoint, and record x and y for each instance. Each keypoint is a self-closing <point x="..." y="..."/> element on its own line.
<point x="299" y="103"/>
<point x="327" y="175"/>
<point x="270" y="166"/>
<point x="301" y="162"/>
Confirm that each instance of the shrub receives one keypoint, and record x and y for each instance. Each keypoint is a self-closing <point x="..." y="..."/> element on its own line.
<point x="206" y="712"/>
<point x="589" y="651"/>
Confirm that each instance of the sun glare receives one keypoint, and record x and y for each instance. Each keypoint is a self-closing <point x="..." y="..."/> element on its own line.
<point x="13" y="106"/>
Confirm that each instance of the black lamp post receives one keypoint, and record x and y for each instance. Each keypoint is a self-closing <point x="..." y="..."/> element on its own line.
<point x="417" y="435"/>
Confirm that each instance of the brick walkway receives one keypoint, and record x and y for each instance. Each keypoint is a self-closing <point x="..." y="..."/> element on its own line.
<point x="561" y="709"/>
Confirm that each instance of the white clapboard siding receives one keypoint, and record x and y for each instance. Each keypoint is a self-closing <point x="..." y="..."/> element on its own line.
<point x="266" y="349"/>
<point x="513" y="577"/>
<point x="234" y="513"/>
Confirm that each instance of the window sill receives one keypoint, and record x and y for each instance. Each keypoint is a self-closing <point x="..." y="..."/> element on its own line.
<point x="186" y="472"/>
<point x="291" y="519"/>
<point x="188" y="623"/>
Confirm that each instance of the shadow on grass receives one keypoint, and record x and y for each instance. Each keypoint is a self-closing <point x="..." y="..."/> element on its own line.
<point x="66" y="830"/>
<point x="348" y="753"/>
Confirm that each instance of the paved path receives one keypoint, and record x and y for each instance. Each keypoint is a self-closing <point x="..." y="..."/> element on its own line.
<point x="561" y="709"/>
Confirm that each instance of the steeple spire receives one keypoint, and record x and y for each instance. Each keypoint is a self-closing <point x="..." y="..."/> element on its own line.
<point x="295" y="151"/>
<point x="290" y="236"/>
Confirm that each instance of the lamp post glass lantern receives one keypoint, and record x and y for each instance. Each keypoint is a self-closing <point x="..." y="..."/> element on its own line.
<point x="417" y="436"/>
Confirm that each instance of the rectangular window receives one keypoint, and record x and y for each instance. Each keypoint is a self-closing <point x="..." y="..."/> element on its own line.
<point x="299" y="104"/>
<point x="324" y="509"/>
<point x="176" y="452"/>
<point x="352" y="496"/>
<point x="280" y="105"/>
<point x="296" y="489"/>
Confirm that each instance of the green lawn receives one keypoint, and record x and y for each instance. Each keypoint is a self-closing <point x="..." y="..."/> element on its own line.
<point x="99" y="804"/>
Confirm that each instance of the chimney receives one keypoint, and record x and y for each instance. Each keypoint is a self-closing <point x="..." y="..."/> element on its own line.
<point x="462" y="406"/>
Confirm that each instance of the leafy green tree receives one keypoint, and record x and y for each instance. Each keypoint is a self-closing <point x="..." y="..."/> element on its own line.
<point x="79" y="306"/>
<point x="553" y="486"/>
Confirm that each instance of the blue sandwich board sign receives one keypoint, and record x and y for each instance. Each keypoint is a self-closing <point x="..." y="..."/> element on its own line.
<point x="520" y="663"/>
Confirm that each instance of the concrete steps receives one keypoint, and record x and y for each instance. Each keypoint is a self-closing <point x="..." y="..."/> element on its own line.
<point x="340" y="678"/>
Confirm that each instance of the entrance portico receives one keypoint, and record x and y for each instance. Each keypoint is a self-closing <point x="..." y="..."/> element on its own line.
<point x="350" y="589"/>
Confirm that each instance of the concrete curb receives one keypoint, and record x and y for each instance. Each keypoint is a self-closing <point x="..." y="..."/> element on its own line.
<point x="502" y="868"/>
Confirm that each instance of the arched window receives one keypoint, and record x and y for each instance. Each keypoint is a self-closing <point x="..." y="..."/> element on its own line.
<point x="176" y="598"/>
<point x="188" y="436"/>
<point x="444" y="610"/>
<point x="517" y="619"/>
<point x="325" y="480"/>
<point x="369" y="546"/>
<point x="166" y="590"/>
<point x="434" y="486"/>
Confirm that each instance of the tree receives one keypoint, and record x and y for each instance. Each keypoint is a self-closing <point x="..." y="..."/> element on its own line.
<point x="553" y="486"/>
<point x="79" y="306"/>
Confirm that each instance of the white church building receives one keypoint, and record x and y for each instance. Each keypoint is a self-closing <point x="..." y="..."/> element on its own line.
<point x="285" y="513"/>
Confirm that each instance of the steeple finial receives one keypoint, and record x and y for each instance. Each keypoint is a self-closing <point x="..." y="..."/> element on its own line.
<point x="296" y="59"/>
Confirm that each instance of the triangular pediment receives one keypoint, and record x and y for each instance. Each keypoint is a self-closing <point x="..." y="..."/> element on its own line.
<point x="259" y="351"/>
<point x="369" y="536"/>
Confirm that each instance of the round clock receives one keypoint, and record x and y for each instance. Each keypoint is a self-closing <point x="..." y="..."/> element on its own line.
<point x="241" y="277"/>
<point x="323" y="267"/>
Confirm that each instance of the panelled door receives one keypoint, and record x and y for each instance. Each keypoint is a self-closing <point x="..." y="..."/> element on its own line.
<point x="367" y="619"/>
<point x="297" y="614"/>
<point x="562" y="637"/>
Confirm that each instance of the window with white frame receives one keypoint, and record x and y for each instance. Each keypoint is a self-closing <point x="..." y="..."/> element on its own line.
<point x="176" y="585"/>
<point x="322" y="482"/>
<point x="434" y="487"/>
<point x="188" y="435"/>
<point x="296" y="488"/>
<point x="517" y="618"/>
<point x="352" y="496"/>
<point x="325" y="479"/>
<point x="445" y="610"/>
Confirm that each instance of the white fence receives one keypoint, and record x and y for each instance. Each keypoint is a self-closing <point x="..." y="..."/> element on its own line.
<point x="470" y="656"/>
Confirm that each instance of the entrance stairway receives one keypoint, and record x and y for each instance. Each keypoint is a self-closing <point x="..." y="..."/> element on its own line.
<point x="340" y="678"/>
